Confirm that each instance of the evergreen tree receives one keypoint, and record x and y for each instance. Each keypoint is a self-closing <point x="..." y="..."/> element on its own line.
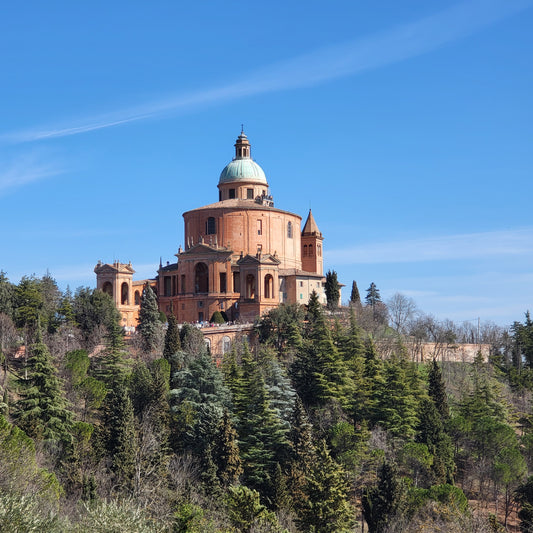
<point x="149" y="324"/>
<point x="318" y="372"/>
<point x="172" y="338"/>
<point x="262" y="437"/>
<point x="355" y="297"/>
<point x="326" y="508"/>
<point x="199" y="398"/>
<point x="332" y="289"/>
<point x="7" y="295"/>
<point x="110" y="366"/>
<point x="41" y="411"/>
<point x="120" y="435"/>
<point x="372" y="295"/>
<point x="437" y="389"/>
<point x="29" y="303"/>
<point x="384" y="502"/>
<point x="523" y="338"/>
<point x="226" y="452"/>
<point x="396" y="406"/>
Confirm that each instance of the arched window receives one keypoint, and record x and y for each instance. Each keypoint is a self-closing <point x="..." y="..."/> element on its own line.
<point x="250" y="286"/>
<point x="201" y="278"/>
<point x="305" y="250"/>
<point x="124" y="294"/>
<point x="137" y="298"/>
<point x="183" y="284"/>
<point x="108" y="288"/>
<point x="310" y="249"/>
<point x="210" y="226"/>
<point x="226" y="344"/>
<point x="289" y="230"/>
<point x="319" y="250"/>
<point x="208" y="343"/>
<point x="269" y="286"/>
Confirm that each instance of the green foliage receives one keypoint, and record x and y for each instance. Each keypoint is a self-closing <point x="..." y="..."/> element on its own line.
<point x="120" y="437"/>
<point x="41" y="411"/>
<point x="355" y="297"/>
<point x="7" y="295"/>
<point x="523" y="341"/>
<point x="437" y="389"/>
<point x="29" y="303"/>
<point x="149" y="324"/>
<point x="372" y="295"/>
<point x="217" y="318"/>
<point x="226" y="452"/>
<point x="199" y="398"/>
<point x="326" y="508"/>
<point x="524" y="498"/>
<point x="382" y="503"/>
<point x="332" y="289"/>
<point x="247" y="513"/>
<point x="282" y="328"/>
<point x="94" y="309"/>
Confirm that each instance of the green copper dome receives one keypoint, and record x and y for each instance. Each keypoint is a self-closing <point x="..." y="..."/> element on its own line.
<point x="243" y="167"/>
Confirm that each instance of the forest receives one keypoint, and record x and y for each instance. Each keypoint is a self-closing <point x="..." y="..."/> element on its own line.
<point x="319" y="421"/>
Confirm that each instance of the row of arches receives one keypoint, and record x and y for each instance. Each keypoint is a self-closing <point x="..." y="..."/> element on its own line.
<point x="124" y="292"/>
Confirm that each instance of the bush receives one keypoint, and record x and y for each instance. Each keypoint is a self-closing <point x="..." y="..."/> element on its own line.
<point x="217" y="318"/>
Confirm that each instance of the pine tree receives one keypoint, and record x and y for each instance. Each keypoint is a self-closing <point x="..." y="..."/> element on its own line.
<point x="110" y="366"/>
<point x="149" y="324"/>
<point x="332" y="289"/>
<point x="372" y="295"/>
<point x="42" y="412"/>
<point x="326" y="508"/>
<point x="355" y="297"/>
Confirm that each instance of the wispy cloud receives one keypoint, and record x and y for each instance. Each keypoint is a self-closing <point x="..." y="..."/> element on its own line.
<point x="319" y="66"/>
<point x="451" y="247"/>
<point x="26" y="169"/>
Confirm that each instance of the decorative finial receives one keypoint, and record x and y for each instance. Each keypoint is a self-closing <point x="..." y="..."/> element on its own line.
<point x="242" y="128"/>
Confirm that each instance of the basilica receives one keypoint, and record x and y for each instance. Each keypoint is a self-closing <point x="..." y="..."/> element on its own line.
<point x="242" y="255"/>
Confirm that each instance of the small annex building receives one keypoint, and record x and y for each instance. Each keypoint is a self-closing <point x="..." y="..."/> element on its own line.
<point x="242" y="255"/>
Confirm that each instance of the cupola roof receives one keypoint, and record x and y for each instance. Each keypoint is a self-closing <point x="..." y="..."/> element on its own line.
<point x="242" y="168"/>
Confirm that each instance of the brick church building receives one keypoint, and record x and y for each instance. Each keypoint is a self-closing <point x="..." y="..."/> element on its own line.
<point x="242" y="255"/>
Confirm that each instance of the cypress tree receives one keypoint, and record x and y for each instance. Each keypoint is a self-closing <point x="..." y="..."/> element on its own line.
<point x="355" y="297"/>
<point x="332" y="289"/>
<point x="120" y="435"/>
<point x="385" y="501"/>
<point x="226" y="452"/>
<point x="149" y="324"/>
<point x="437" y="389"/>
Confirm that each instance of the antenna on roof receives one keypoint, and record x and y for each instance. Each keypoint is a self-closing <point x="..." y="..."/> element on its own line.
<point x="242" y="128"/>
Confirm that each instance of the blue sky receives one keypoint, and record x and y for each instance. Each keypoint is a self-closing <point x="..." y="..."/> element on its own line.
<point x="406" y="126"/>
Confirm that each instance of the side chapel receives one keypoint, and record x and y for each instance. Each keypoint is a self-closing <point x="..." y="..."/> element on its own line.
<point x="242" y="256"/>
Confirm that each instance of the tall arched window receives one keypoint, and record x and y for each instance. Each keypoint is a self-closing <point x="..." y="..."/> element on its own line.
<point x="137" y="298"/>
<point x="269" y="286"/>
<point x="201" y="278"/>
<point x="305" y="250"/>
<point x="289" y="230"/>
<point x="124" y="294"/>
<point x="108" y="288"/>
<point x="210" y="226"/>
<point x="310" y="249"/>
